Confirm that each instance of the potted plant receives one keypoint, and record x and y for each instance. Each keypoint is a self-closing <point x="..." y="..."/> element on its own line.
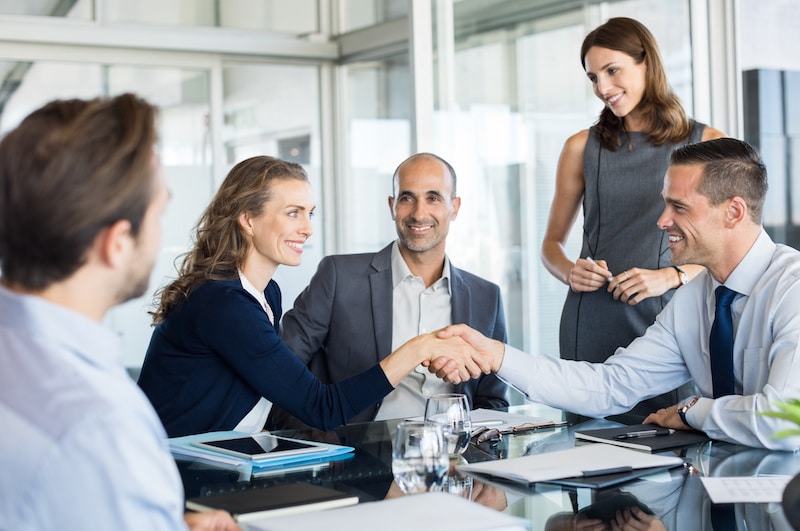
<point x="790" y="411"/>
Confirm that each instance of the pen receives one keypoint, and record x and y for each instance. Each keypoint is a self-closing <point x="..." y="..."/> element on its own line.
<point x="590" y="259"/>
<point x="644" y="433"/>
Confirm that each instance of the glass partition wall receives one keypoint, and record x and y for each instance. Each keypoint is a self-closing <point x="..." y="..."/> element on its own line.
<point x="334" y="85"/>
<point x="215" y="108"/>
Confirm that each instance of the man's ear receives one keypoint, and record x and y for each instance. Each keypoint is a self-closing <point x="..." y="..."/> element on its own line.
<point x="456" y="206"/>
<point x="736" y="211"/>
<point x="391" y="206"/>
<point x="115" y="243"/>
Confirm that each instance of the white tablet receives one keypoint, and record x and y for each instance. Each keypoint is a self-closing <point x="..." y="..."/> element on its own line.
<point x="260" y="446"/>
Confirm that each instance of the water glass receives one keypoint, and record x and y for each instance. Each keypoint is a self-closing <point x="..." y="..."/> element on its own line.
<point x="419" y="456"/>
<point x="451" y="410"/>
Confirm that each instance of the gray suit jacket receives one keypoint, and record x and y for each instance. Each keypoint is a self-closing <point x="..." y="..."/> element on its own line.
<point x="341" y="324"/>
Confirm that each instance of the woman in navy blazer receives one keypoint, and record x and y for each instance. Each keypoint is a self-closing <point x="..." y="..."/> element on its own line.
<point x="215" y="361"/>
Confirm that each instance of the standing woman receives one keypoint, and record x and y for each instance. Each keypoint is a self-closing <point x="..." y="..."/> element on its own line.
<point x="215" y="361"/>
<point x="616" y="169"/>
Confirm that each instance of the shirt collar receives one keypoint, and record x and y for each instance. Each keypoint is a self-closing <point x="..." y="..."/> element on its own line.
<point x="400" y="270"/>
<point x="752" y="267"/>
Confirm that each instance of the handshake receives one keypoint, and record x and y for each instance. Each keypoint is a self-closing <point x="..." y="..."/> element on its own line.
<point x="459" y="353"/>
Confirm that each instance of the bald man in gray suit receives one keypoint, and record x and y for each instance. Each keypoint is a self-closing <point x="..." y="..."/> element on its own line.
<point x="358" y="307"/>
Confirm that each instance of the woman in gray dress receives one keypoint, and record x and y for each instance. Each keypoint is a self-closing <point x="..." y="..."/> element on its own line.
<point x="616" y="171"/>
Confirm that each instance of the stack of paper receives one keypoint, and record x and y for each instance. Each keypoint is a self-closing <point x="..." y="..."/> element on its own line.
<point x="182" y="447"/>
<point x="595" y="466"/>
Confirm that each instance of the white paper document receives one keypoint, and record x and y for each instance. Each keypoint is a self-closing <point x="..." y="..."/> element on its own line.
<point x="580" y="461"/>
<point x="748" y="489"/>
<point x="432" y="511"/>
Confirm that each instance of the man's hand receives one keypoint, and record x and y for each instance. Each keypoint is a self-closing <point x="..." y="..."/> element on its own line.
<point x="488" y="353"/>
<point x="211" y="521"/>
<point x="667" y="418"/>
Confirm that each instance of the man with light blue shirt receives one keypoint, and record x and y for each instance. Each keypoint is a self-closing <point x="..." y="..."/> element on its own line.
<point x="741" y="349"/>
<point x="360" y="307"/>
<point x="81" y="196"/>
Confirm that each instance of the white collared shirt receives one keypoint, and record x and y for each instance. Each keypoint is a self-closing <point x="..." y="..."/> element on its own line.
<point x="766" y="355"/>
<point x="256" y="418"/>
<point x="81" y="447"/>
<point x="415" y="310"/>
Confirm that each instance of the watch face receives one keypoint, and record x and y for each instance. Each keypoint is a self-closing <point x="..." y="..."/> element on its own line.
<point x="684" y="278"/>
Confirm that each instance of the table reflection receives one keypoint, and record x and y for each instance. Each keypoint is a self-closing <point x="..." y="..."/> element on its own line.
<point x="674" y="500"/>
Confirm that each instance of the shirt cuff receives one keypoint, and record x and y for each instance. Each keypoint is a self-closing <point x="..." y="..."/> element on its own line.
<point x="697" y="414"/>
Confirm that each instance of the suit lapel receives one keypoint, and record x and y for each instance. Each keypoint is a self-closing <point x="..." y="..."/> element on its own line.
<point x="459" y="297"/>
<point x="380" y="285"/>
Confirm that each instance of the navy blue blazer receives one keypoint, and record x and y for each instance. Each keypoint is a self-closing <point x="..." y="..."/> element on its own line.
<point x="216" y="354"/>
<point x="342" y="323"/>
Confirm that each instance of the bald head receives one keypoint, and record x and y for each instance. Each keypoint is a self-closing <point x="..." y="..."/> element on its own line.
<point x="430" y="157"/>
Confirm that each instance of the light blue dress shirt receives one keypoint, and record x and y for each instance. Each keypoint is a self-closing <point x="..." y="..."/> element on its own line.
<point x="80" y="445"/>
<point x="766" y="351"/>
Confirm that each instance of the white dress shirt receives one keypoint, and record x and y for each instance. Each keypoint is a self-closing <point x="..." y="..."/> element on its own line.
<point x="81" y="447"/>
<point x="416" y="310"/>
<point x="766" y="350"/>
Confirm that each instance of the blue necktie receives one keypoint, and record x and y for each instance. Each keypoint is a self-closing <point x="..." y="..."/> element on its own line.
<point x="721" y="344"/>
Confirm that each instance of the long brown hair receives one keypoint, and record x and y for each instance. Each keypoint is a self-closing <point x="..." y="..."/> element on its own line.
<point x="220" y="245"/>
<point x="664" y="117"/>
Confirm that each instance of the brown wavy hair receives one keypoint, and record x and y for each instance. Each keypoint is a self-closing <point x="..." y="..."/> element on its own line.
<point x="664" y="117"/>
<point x="220" y="245"/>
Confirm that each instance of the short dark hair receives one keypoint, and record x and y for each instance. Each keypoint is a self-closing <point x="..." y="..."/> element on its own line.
<point x="731" y="168"/>
<point x="424" y="155"/>
<point x="69" y="170"/>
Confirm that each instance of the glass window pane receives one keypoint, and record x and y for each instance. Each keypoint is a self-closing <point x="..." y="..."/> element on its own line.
<point x="274" y="110"/>
<point x="508" y="97"/>
<point x="296" y="17"/>
<point x="378" y="121"/>
<point x="358" y="14"/>
<point x="182" y="96"/>
<point x="770" y="94"/>
<point x="77" y="9"/>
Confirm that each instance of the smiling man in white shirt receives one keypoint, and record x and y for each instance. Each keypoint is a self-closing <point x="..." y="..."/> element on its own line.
<point x="714" y="193"/>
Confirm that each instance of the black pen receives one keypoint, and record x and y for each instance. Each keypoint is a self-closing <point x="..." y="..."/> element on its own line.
<point x="646" y="433"/>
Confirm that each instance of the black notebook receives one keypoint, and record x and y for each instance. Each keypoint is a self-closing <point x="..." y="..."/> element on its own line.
<point x="280" y="500"/>
<point x="654" y="443"/>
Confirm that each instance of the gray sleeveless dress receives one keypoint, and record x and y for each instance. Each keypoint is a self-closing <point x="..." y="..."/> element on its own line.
<point x="621" y="204"/>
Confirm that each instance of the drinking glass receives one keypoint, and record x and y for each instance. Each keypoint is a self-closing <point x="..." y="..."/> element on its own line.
<point x="419" y="456"/>
<point x="451" y="410"/>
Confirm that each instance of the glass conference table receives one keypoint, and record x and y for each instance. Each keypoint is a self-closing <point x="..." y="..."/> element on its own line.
<point x="677" y="498"/>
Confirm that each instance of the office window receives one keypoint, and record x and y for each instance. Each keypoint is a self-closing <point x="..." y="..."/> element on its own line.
<point x="377" y="118"/>
<point x="507" y="97"/>
<point x="770" y="93"/>
<point x="297" y="16"/>
<point x="358" y="14"/>
<point x="77" y="9"/>
<point x="183" y="98"/>
<point x="274" y="110"/>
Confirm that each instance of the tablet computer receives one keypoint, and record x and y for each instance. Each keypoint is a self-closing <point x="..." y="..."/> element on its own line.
<point x="260" y="446"/>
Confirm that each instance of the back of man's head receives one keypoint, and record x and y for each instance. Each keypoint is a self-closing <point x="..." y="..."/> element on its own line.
<point x="68" y="171"/>
<point x="731" y="168"/>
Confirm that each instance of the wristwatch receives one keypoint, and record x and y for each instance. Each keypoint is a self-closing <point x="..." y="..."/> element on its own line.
<point x="684" y="406"/>
<point x="684" y="278"/>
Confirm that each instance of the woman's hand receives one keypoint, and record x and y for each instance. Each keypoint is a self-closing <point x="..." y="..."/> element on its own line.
<point x="588" y="275"/>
